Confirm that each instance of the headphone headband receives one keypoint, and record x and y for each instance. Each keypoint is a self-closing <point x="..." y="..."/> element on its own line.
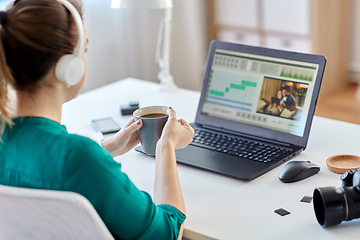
<point x="79" y="25"/>
<point x="70" y="69"/>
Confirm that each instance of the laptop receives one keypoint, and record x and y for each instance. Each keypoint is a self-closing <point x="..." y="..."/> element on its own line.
<point x="255" y="109"/>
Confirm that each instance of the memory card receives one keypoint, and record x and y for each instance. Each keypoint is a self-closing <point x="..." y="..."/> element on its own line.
<point x="306" y="199"/>
<point x="282" y="212"/>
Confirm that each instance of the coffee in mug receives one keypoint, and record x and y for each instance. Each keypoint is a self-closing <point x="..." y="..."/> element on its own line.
<point x="154" y="119"/>
<point x="153" y="115"/>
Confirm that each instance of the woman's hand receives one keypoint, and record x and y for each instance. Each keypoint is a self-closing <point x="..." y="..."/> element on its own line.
<point x="124" y="140"/>
<point x="177" y="133"/>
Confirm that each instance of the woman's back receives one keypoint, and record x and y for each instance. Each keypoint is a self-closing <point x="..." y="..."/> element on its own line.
<point x="39" y="153"/>
<point x="28" y="151"/>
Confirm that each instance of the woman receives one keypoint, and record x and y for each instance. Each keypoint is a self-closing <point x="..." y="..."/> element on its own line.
<point x="37" y="152"/>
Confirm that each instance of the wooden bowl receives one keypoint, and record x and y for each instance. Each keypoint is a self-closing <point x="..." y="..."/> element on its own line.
<point x="342" y="163"/>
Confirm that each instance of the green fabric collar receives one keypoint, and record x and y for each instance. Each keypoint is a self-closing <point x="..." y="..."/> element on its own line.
<point x="37" y="121"/>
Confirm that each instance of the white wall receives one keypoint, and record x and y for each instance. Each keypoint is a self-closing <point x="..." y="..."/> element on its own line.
<point x="122" y="43"/>
<point x="191" y="42"/>
<point x="4" y="3"/>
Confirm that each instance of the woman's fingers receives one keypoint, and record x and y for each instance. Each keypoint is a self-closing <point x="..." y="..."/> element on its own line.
<point x="131" y="121"/>
<point x="135" y="125"/>
<point x="172" y="114"/>
<point x="183" y="122"/>
<point x="128" y="130"/>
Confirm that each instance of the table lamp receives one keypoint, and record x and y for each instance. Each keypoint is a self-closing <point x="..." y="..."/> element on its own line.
<point x="164" y="40"/>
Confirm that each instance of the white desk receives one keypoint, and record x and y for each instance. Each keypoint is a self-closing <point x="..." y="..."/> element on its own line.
<point x="220" y="207"/>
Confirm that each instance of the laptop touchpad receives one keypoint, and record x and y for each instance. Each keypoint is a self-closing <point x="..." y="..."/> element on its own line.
<point x="193" y="154"/>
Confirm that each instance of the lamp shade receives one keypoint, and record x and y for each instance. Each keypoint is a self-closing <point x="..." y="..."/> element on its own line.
<point x="136" y="4"/>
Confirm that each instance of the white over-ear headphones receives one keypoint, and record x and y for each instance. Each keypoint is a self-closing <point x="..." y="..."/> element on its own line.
<point x="70" y="69"/>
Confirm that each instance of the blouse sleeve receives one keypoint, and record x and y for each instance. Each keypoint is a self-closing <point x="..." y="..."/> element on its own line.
<point x="128" y="212"/>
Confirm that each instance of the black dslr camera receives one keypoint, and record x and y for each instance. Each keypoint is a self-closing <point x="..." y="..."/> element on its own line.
<point x="334" y="205"/>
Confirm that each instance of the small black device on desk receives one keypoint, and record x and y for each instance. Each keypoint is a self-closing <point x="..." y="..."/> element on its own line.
<point x="297" y="170"/>
<point x="129" y="108"/>
<point x="105" y="125"/>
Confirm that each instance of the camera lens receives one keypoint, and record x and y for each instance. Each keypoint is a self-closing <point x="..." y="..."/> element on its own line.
<point x="329" y="206"/>
<point x="334" y="205"/>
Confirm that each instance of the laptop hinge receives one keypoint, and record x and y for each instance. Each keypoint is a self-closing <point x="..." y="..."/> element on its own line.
<point x="245" y="135"/>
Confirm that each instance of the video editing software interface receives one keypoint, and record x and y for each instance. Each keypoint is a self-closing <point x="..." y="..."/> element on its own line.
<point x="262" y="91"/>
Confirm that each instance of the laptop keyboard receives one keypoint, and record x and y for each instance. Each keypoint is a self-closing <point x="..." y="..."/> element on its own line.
<point x="238" y="146"/>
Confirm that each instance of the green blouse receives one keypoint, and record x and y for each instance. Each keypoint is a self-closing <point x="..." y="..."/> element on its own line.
<point x="40" y="153"/>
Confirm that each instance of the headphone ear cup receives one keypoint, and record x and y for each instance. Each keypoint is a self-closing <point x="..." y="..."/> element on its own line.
<point x="70" y="69"/>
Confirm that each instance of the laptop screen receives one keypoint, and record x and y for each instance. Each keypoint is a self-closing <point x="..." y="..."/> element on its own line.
<point x="267" y="92"/>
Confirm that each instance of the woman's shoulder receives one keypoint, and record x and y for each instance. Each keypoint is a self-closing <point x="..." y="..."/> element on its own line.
<point x="84" y="151"/>
<point x="78" y="139"/>
<point x="83" y="144"/>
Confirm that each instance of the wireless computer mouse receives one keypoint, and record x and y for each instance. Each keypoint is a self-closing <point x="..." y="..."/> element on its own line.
<point x="297" y="170"/>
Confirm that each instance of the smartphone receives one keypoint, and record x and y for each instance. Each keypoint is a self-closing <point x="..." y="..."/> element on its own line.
<point x="105" y="125"/>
